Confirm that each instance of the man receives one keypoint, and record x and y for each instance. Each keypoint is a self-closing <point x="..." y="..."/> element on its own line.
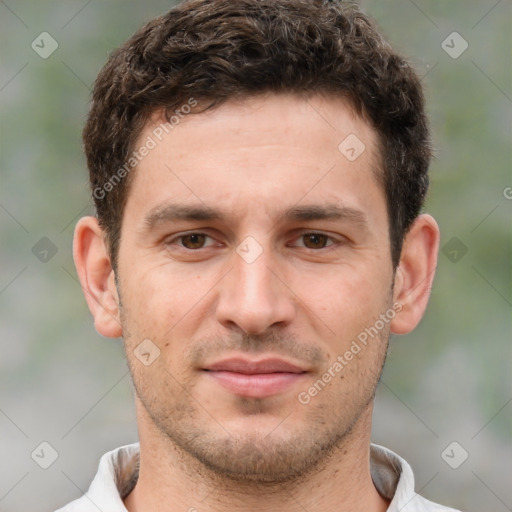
<point x="258" y="169"/>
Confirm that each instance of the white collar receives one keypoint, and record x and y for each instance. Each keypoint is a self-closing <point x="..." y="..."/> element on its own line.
<point x="118" y="472"/>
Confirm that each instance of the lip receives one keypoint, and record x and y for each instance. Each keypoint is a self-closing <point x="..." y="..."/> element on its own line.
<point x="255" y="379"/>
<point x="248" y="367"/>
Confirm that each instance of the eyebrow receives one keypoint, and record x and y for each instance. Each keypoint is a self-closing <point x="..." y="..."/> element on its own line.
<point x="324" y="212"/>
<point x="166" y="213"/>
<point x="174" y="212"/>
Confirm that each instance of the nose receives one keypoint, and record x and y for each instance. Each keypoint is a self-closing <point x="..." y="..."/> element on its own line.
<point x="253" y="297"/>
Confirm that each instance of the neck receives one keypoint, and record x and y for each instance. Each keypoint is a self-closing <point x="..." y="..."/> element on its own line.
<point x="171" y="480"/>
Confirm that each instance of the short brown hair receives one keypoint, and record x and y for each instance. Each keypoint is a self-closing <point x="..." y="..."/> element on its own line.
<point x="216" y="50"/>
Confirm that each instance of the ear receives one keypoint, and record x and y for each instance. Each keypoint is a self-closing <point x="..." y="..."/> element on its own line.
<point x="415" y="273"/>
<point x="97" y="277"/>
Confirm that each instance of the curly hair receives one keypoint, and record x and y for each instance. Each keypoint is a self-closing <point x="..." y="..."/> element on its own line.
<point x="212" y="51"/>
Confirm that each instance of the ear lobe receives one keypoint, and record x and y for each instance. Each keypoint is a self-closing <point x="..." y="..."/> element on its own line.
<point x="415" y="273"/>
<point x="97" y="277"/>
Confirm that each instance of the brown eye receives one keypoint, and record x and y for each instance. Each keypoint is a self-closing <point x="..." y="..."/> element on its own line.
<point x="193" y="241"/>
<point x="315" y="240"/>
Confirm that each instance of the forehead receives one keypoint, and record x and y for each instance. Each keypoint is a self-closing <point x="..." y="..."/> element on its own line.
<point x="260" y="152"/>
<point x="273" y="117"/>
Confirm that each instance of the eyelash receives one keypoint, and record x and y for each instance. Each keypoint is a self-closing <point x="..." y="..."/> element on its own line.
<point x="183" y="235"/>
<point x="330" y="240"/>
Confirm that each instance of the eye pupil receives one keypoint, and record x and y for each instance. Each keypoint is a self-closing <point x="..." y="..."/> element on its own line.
<point x="315" y="240"/>
<point x="193" y="241"/>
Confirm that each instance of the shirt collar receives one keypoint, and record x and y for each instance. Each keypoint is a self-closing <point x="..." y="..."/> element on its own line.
<point x="118" y="472"/>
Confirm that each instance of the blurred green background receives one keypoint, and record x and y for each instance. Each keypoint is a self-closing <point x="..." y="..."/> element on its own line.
<point x="450" y="380"/>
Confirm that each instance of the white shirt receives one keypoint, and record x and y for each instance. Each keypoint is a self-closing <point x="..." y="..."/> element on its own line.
<point x="118" y="472"/>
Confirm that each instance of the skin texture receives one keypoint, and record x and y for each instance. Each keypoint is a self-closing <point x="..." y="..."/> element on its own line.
<point x="303" y="299"/>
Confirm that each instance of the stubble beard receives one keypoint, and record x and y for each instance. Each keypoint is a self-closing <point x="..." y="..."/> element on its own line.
<point x="269" y="458"/>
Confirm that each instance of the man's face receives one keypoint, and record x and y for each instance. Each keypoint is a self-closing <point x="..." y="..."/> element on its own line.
<point x="253" y="254"/>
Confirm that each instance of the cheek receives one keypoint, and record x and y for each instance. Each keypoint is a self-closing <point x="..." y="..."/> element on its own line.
<point x="159" y="291"/>
<point x="163" y="305"/>
<point x="348" y="301"/>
